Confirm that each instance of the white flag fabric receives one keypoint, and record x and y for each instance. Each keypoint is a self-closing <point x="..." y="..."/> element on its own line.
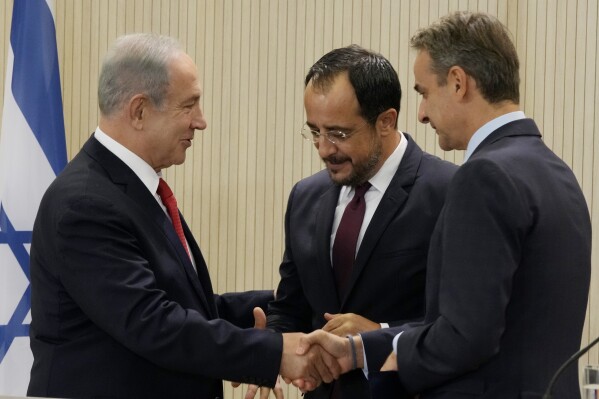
<point x="32" y="153"/>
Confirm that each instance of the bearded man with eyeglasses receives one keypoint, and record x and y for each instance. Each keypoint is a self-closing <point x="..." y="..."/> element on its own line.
<point x="352" y="100"/>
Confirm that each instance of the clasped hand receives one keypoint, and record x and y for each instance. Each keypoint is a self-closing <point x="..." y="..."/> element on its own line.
<point x="318" y="356"/>
<point x="308" y="360"/>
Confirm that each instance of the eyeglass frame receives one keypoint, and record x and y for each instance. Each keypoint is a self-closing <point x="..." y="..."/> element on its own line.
<point x="341" y="138"/>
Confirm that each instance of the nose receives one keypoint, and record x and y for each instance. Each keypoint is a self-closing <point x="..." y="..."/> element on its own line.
<point x="325" y="147"/>
<point x="198" y="121"/>
<point x="422" y="117"/>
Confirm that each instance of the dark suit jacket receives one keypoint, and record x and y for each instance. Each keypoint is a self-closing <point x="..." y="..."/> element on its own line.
<point x="387" y="284"/>
<point x="508" y="278"/>
<point x="118" y="310"/>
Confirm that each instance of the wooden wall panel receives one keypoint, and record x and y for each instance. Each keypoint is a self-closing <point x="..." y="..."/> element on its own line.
<point x="252" y="56"/>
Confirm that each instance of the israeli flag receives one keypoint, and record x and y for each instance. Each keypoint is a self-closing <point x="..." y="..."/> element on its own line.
<point x="32" y="153"/>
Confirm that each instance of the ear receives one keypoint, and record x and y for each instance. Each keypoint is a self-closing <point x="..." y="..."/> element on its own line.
<point x="137" y="110"/>
<point x="458" y="81"/>
<point x="385" y="122"/>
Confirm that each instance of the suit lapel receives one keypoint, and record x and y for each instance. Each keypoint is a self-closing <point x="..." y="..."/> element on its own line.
<point x="200" y="277"/>
<point x="133" y="187"/>
<point x="391" y="203"/>
<point x="324" y="222"/>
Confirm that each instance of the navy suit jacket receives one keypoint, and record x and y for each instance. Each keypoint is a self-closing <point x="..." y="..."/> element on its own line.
<point x="118" y="310"/>
<point x="508" y="278"/>
<point x="387" y="281"/>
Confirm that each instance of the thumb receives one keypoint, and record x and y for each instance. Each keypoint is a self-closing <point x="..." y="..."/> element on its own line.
<point x="307" y="340"/>
<point x="330" y="316"/>
<point x="259" y="318"/>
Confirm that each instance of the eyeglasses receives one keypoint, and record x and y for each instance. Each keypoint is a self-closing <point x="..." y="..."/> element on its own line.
<point x="334" y="136"/>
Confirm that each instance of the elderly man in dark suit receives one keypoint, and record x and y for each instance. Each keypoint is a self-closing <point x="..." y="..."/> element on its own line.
<point x="509" y="262"/>
<point x="376" y="279"/>
<point x="122" y="304"/>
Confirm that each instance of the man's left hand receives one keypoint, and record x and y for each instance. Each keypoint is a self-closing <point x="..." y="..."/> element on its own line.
<point x="342" y="324"/>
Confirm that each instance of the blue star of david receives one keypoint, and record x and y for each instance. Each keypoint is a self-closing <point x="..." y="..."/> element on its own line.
<point x="16" y="241"/>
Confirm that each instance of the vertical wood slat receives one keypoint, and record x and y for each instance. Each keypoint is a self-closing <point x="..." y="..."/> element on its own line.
<point x="252" y="57"/>
<point x="591" y="163"/>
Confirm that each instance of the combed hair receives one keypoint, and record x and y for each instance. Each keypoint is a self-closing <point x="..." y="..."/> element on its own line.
<point x="136" y="64"/>
<point x="478" y="43"/>
<point x="372" y="76"/>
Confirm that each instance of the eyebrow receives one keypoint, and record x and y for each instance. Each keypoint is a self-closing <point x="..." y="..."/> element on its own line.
<point x="194" y="98"/>
<point x="418" y="88"/>
<point x="329" y="128"/>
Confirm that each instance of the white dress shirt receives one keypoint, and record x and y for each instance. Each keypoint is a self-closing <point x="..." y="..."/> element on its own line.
<point x="148" y="176"/>
<point x="380" y="181"/>
<point x="373" y="196"/>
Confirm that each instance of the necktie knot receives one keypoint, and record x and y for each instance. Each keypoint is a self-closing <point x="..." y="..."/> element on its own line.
<point x="362" y="188"/>
<point x="359" y="193"/>
<point x="164" y="191"/>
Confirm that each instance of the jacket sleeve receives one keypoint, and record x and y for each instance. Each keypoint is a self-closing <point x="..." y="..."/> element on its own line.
<point x="477" y="247"/>
<point x="290" y="310"/>
<point x="237" y="307"/>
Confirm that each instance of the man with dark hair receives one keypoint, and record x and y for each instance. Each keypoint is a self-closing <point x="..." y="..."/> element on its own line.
<point x="331" y="278"/>
<point x="509" y="263"/>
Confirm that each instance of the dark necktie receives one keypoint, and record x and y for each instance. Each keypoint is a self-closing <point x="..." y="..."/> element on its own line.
<point x="169" y="201"/>
<point x="346" y="239"/>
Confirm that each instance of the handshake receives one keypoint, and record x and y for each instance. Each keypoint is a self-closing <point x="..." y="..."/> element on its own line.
<point x="322" y="356"/>
<point x="308" y="360"/>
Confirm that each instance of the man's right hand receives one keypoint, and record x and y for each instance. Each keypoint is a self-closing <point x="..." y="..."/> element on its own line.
<point x="337" y="347"/>
<point x="308" y="369"/>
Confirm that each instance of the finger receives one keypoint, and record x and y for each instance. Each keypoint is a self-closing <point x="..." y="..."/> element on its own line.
<point x="305" y="385"/>
<point x="301" y="384"/>
<point x="259" y="318"/>
<point x="332" y="364"/>
<point x="330" y="326"/>
<point x="264" y="393"/>
<point x="278" y="390"/>
<point x="339" y="330"/>
<point x="390" y="363"/>
<point x="330" y="316"/>
<point x="308" y="340"/>
<point x="327" y="366"/>
<point x="251" y="392"/>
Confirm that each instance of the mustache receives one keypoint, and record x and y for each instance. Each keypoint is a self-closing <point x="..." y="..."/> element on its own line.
<point x="336" y="160"/>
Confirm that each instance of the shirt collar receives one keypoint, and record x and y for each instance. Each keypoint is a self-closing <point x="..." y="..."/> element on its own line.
<point x="485" y="130"/>
<point x="383" y="177"/>
<point x="141" y="168"/>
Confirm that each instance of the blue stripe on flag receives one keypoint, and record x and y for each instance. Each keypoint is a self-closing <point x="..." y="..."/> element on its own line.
<point x="36" y="79"/>
<point x="16" y="240"/>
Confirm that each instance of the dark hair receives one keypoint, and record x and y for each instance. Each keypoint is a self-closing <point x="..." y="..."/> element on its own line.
<point x="481" y="45"/>
<point x="372" y="76"/>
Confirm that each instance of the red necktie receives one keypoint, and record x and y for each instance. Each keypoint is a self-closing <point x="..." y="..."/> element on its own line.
<point x="346" y="239"/>
<point x="169" y="201"/>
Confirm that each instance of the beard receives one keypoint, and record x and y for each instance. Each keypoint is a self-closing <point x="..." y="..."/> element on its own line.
<point x="361" y="171"/>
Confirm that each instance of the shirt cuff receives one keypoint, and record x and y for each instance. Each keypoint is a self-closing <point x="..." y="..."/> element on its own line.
<point x="395" y="339"/>
<point x="365" y="368"/>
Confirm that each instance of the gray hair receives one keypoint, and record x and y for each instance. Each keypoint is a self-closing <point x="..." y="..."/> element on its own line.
<point x="136" y="63"/>
<point x="478" y="43"/>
